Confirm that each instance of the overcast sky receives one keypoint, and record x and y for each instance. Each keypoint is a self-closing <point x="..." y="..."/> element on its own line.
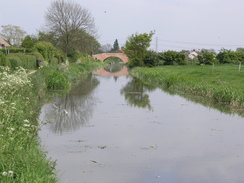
<point x="178" y="24"/>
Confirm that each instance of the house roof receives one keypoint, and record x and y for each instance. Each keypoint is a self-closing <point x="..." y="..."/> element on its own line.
<point x="2" y="41"/>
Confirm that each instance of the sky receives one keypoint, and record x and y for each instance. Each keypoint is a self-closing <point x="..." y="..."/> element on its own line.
<point x="178" y="24"/>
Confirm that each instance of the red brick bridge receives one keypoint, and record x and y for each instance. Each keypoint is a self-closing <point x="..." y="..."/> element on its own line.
<point x="104" y="56"/>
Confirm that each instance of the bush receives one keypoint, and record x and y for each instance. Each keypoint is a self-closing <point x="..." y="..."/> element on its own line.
<point x="4" y="61"/>
<point x="57" y="80"/>
<point x="22" y="60"/>
<point x="46" y="49"/>
<point x="37" y="54"/>
<point x="73" y="56"/>
<point x="15" y="62"/>
<point x="206" y="58"/>
<point x="227" y="56"/>
<point x="151" y="59"/>
<point x="173" y="58"/>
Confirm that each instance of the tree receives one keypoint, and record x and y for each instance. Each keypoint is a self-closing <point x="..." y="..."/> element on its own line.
<point x="207" y="58"/>
<point x="173" y="58"/>
<point x="66" y="20"/>
<point x="226" y="56"/>
<point x="116" y="45"/>
<point x="151" y="59"/>
<point x="29" y="41"/>
<point x="105" y="48"/>
<point x="136" y="48"/>
<point x="13" y="34"/>
<point x="46" y="49"/>
<point x="240" y="49"/>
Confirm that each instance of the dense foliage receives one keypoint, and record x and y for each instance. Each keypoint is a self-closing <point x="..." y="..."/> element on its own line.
<point x="207" y="58"/>
<point x="173" y="58"/>
<point x="136" y="48"/>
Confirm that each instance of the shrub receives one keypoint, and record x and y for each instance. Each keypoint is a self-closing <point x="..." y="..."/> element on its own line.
<point x="227" y="56"/>
<point x="46" y="49"/>
<point x="4" y="61"/>
<point x="173" y="58"/>
<point x="37" y="54"/>
<point x="57" y="80"/>
<point x="22" y="60"/>
<point x="206" y="58"/>
<point x="73" y="56"/>
<point x="151" y="59"/>
<point x="15" y="62"/>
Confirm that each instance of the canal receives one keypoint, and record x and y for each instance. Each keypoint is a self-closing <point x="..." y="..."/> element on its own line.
<point x="113" y="128"/>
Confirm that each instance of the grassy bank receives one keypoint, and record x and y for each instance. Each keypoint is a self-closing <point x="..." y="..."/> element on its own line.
<point x="222" y="85"/>
<point x="21" y="98"/>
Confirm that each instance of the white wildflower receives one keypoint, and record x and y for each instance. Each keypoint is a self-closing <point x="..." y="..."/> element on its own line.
<point x="10" y="173"/>
<point x="26" y="121"/>
<point x="4" y="173"/>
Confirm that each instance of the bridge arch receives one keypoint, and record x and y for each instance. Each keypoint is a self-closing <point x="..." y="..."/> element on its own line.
<point x="104" y="56"/>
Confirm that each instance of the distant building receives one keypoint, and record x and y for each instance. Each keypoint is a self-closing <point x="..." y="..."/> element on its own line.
<point x="194" y="54"/>
<point x="3" y="43"/>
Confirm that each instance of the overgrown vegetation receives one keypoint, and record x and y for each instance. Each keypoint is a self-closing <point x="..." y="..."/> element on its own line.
<point x="21" y="158"/>
<point x="224" y="86"/>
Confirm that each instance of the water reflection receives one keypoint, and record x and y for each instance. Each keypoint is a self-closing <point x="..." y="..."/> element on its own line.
<point x="135" y="93"/>
<point x="72" y="111"/>
<point x="114" y="70"/>
<point x="114" y="67"/>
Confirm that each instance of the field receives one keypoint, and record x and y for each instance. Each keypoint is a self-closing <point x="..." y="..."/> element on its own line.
<point x="221" y="84"/>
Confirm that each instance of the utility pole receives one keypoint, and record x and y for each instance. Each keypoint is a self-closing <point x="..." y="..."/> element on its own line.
<point x="156" y="48"/>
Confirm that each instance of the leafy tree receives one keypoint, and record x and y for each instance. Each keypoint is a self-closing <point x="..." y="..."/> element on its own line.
<point x="136" y="48"/>
<point x="226" y="56"/>
<point x="66" y="21"/>
<point x="85" y="43"/>
<point x="116" y="45"/>
<point x="47" y="37"/>
<point x="240" y="49"/>
<point x="151" y="59"/>
<point x="206" y="58"/>
<point x="13" y="34"/>
<point x="173" y="58"/>
<point x="207" y="50"/>
<point x="46" y="49"/>
<point x="29" y="41"/>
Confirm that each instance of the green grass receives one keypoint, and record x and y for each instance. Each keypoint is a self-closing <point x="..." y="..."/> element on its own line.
<point x="223" y="85"/>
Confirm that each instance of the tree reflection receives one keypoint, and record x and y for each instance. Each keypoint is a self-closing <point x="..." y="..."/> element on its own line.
<point x="135" y="93"/>
<point x="75" y="109"/>
<point x="114" y="67"/>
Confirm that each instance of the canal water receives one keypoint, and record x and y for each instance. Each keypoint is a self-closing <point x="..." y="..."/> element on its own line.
<point x="116" y="129"/>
